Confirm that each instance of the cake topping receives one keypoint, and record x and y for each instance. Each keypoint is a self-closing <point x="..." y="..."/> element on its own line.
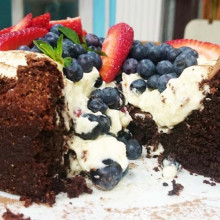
<point x="117" y="46"/>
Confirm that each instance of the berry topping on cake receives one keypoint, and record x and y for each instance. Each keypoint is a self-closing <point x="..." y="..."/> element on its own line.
<point x="133" y="149"/>
<point x="130" y="66"/>
<point x="206" y="49"/>
<point x="13" y="40"/>
<point x="146" y="68"/>
<point x="24" y="23"/>
<point x="117" y="46"/>
<point x="72" y="23"/>
<point x="138" y="86"/>
<point x="41" y="21"/>
<point x="108" y="177"/>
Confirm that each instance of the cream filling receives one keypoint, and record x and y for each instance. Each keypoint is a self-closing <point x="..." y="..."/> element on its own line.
<point x="91" y="153"/>
<point x="176" y="102"/>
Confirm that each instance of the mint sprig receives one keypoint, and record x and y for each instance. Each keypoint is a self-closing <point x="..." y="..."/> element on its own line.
<point x="73" y="36"/>
<point x="54" y="53"/>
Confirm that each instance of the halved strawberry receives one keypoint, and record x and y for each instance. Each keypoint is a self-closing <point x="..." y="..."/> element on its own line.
<point x="208" y="50"/>
<point x="6" y="30"/>
<point x="11" y="41"/>
<point x="73" y="23"/>
<point x="24" y="23"/>
<point x="116" y="45"/>
<point x="41" y="21"/>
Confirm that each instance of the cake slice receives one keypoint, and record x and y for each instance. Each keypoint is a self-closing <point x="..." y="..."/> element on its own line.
<point x="183" y="115"/>
<point x="32" y="140"/>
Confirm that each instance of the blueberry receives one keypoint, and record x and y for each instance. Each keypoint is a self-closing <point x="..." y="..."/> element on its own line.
<point x="52" y="38"/>
<point x="92" y="135"/>
<point x="152" y="81"/>
<point x="173" y="53"/>
<point x="35" y="49"/>
<point x="164" y="67"/>
<point x="67" y="47"/>
<point x="130" y="66"/>
<point x="97" y="93"/>
<point x="74" y="72"/>
<point x="163" y="80"/>
<point x="136" y="42"/>
<point x="24" y="47"/>
<point x="133" y="149"/>
<point x="43" y="39"/>
<point x="108" y="177"/>
<point x="138" y="86"/>
<point x="164" y="50"/>
<point x="76" y="50"/>
<point x="86" y="62"/>
<point x="182" y="61"/>
<point x="104" y="123"/>
<point x="97" y="62"/>
<point x="123" y="136"/>
<point x="92" y="40"/>
<point x="55" y="28"/>
<point x="146" y="68"/>
<point x="98" y="82"/>
<point x="101" y="40"/>
<point x="153" y="53"/>
<point x="96" y="104"/>
<point x="110" y="97"/>
<point x="138" y="52"/>
<point x="189" y="50"/>
<point x="148" y="46"/>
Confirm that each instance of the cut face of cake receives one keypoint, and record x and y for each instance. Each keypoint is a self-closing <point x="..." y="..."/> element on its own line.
<point x="32" y="140"/>
<point x="183" y="116"/>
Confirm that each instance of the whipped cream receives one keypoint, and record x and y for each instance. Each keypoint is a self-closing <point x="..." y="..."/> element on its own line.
<point x="91" y="153"/>
<point x="176" y="102"/>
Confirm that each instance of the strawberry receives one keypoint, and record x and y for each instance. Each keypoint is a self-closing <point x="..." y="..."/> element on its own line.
<point x="73" y="23"/>
<point x="24" y="23"/>
<point x="208" y="50"/>
<point x="116" y="45"/>
<point x="11" y="41"/>
<point x="41" y="21"/>
<point x="84" y="32"/>
<point x="6" y="30"/>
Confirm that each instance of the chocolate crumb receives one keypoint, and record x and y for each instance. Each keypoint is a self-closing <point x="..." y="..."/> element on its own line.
<point x="210" y="183"/>
<point x="9" y="215"/>
<point x="177" y="188"/>
<point x="156" y="169"/>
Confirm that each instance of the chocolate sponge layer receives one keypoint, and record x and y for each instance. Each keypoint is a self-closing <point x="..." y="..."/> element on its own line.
<point x="31" y="139"/>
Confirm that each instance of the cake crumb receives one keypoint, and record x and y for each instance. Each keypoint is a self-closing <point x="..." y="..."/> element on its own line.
<point x="210" y="183"/>
<point x="177" y="188"/>
<point x="165" y="184"/>
<point x="9" y="215"/>
<point x="156" y="169"/>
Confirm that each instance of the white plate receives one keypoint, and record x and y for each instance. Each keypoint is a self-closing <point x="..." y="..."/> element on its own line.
<point x="140" y="195"/>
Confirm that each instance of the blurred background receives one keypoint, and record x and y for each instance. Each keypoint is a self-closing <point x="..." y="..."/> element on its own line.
<point x="152" y="20"/>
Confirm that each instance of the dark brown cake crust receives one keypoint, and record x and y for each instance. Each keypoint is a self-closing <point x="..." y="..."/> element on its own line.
<point x="31" y="141"/>
<point x="195" y="142"/>
<point x="9" y="215"/>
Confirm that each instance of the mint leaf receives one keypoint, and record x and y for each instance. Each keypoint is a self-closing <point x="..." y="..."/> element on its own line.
<point x="67" y="61"/>
<point x="59" y="48"/>
<point x="71" y="34"/>
<point x="45" y="48"/>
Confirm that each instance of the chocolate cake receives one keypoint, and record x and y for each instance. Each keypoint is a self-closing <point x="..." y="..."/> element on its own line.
<point x="32" y="140"/>
<point x="194" y="142"/>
